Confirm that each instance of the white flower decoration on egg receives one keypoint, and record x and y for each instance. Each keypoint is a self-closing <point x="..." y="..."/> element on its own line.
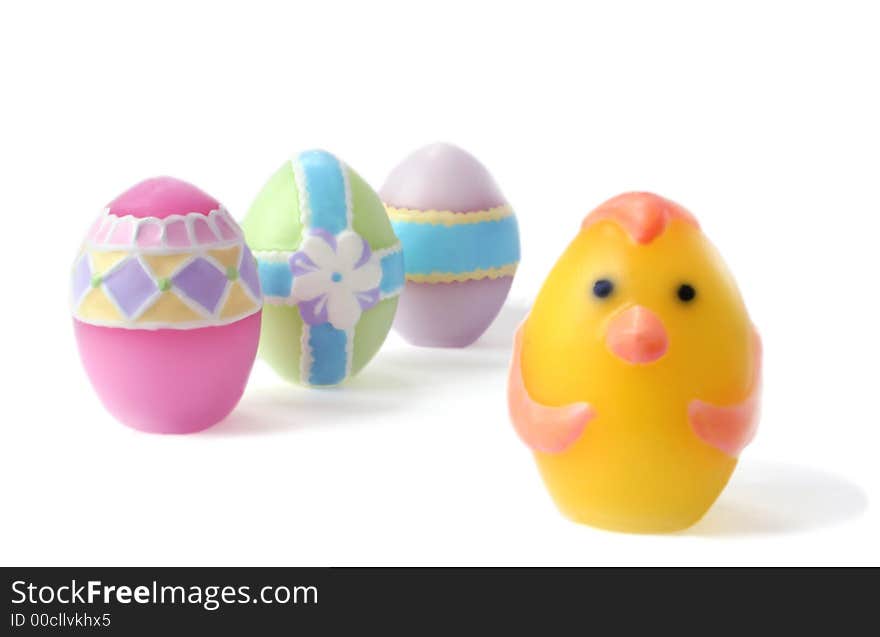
<point x="335" y="278"/>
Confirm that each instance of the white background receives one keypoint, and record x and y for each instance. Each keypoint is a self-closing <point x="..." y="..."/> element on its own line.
<point x="761" y="117"/>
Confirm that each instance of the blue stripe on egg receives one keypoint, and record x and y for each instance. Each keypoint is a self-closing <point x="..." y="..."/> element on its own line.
<point x="393" y="273"/>
<point x="458" y="249"/>
<point x="328" y="346"/>
<point x="276" y="278"/>
<point x="325" y="186"/>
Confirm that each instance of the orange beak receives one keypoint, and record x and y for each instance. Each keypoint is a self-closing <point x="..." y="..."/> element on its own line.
<point x="637" y="336"/>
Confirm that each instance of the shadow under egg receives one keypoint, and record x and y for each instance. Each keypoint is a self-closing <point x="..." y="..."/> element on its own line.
<point x="283" y="408"/>
<point x="771" y="498"/>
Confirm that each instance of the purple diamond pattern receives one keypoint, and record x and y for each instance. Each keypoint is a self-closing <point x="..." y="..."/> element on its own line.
<point x="201" y="282"/>
<point x="82" y="277"/>
<point x="248" y="272"/>
<point x="130" y="286"/>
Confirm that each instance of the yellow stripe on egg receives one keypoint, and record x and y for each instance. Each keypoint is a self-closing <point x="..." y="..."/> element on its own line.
<point x="448" y="217"/>
<point x="457" y="277"/>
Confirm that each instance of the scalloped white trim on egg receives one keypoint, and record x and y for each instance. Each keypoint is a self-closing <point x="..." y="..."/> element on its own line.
<point x="106" y="225"/>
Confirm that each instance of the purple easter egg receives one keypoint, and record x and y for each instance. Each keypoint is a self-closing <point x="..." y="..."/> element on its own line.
<point x="460" y="244"/>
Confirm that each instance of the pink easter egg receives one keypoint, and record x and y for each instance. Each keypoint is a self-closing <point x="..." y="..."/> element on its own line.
<point x="460" y="245"/>
<point x="166" y="308"/>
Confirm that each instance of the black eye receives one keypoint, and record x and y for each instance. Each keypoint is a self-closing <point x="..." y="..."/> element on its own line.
<point x="603" y="288"/>
<point x="686" y="292"/>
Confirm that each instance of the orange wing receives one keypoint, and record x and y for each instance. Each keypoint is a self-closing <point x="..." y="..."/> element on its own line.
<point x="542" y="428"/>
<point x="730" y="428"/>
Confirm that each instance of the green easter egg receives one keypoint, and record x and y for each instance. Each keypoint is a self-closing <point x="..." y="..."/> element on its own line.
<point x="330" y="266"/>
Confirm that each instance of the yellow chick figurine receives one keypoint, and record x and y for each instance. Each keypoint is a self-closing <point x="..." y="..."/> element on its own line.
<point x="635" y="378"/>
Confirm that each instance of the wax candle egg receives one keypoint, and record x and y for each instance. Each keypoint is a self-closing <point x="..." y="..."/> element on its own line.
<point x="166" y="308"/>
<point x="331" y="269"/>
<point x="461" y="243"/>
<point x="635" y="378"/>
